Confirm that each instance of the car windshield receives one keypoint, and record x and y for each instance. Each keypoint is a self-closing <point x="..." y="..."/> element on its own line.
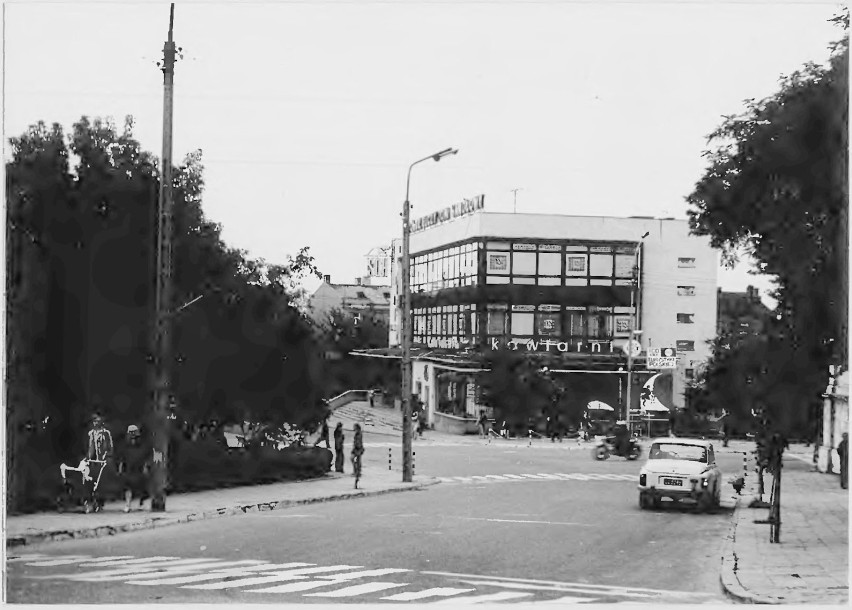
<point x="674" y="451"/>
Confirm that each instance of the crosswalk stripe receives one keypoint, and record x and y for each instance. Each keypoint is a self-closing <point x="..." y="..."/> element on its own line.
<point x="27" y="557"/>
<point x="513" y="476"/>
<point x="370" y="587"/>
<point x="435" y="592"/>
<point x="499" y="477"/>
<point x="274" y="577"/>
<point x="124" y="571"/>
<point x="570" y="600"/>
<point x="530" y="476"/>
<point x="579" y="588"/>
<point x="64" y="561"/>
<point x="547" y="476"/>
<point x="220" y="574"/>
<point x="125" y="562"/>
<point x="479" y="599"/>
<point x="365" y="574"/>
<point x="153" y="572"/>
<point x="295" y="587"/>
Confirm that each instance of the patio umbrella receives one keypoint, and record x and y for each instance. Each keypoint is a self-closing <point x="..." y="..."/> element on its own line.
<point x="597" y="405"/>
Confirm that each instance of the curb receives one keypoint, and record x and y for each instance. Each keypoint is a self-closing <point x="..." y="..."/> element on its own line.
<point x="156" y="522"/>
<point x="731" y="584"/>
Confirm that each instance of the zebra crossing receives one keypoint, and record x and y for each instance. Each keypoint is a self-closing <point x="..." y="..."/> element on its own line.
<point x="541" y="476"/>
<point x="341" y="582"/>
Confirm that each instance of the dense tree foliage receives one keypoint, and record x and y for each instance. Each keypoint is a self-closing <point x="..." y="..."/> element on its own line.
<point x="517" y="388"/>
<point x="81" y="234"/>
<point x="777" y="184"/>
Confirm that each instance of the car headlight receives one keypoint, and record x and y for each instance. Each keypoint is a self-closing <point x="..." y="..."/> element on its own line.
<point x="705" y="481"/>
<point x="643" y="478"/>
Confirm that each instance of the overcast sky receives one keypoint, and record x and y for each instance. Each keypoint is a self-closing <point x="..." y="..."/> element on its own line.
<point x="308" y="114"/>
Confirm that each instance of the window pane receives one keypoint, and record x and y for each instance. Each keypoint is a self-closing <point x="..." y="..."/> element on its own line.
<point x="549" y="263"/>
<point x="574" y="320"/>
<point x="624" y="265"/>
<point x="523" y="280"/>
<point x="599" y="326"/>
<point x="549" y="281"/>
<point x="522" y="323"/>
<point x="600" y="264"/>
<point x="523" y="263"/>
<point x="685" y="318"/>
<point x="496" y="322"/>
<point x="686" y="291"/>
<point x="548" y="323"/>
<point x="575" y="264"/>
<point x="498" y="262"/>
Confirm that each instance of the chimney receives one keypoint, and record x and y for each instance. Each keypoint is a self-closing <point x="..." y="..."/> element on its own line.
<point x="326" y="279"/>
<point x="358" y="280"/>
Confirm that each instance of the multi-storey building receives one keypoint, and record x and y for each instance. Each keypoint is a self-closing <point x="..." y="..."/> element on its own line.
<point x="563" y="289"/>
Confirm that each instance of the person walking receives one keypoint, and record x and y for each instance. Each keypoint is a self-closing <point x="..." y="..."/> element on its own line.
<point x="421" y="422"/>
<point x="338" y="447"/>
<point x="357" y="454"/>
<point x="133" y="467"/>
<point x="843" y="454"/>
<point x="323" y="434"/>
<point x="481" y="423"/>
<point x="99" y="454"/>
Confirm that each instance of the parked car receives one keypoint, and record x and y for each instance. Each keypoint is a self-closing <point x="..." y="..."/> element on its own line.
<point x="680" y="469"/>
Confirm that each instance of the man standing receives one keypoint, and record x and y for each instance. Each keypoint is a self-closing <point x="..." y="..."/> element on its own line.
<point x="843" y="454"/>
<point x="323" y="434"/>
<point x="482" y="424"/>
<point x="357" y="453"/>
<point x="133" y="466"/>
<point x="338" y="447"/>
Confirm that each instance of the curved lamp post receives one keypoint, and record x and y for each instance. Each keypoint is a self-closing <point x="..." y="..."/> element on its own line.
<point x="405" y="314"/>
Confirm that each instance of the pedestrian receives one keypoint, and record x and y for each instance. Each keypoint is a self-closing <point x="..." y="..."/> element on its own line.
<point x="323" y="434"/>
<point x="338" y="447"/>
<point x="843" y="454"/>
<point x="99" y="454"/>
<point x="482" y="421"/>
<point x="133" y="467"/>
<point x="421" y="423"/>
<point x="357" y="454"/>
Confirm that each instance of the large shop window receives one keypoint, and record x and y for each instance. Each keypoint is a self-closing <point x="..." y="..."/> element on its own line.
<point x="575" y="320"/>
<point x="523" y="263"/>
<point x="548" y="321"/>
<point x="624" y="264"/>
<point x="523" y="319"/>
<point x="496" y="321"/>
<point x="599" y="325"/>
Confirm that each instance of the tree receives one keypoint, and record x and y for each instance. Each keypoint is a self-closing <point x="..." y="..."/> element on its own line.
<point x="777" y="185"/>
<point x="516" y="387"/>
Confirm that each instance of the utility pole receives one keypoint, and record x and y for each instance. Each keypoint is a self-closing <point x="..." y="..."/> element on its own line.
<point x="159" y="420"/>
<point x="634" y="305"/>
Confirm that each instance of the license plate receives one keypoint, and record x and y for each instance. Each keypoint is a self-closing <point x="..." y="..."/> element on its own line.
<point x="673" y="482"/>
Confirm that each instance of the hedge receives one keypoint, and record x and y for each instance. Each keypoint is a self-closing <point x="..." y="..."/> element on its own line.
<point x="194" y="465"/>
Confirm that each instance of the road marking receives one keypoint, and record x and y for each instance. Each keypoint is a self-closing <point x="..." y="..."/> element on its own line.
<point x="524" y="521"/>
<point x="70" y="560"/>
<point x="220" y="574"/>
<point x="478" y="599"/>
<point x="32" y="556"/>
<point x="370" y="587"/>
<point x="365" y="573"/>
<point x="436" y="592"/>
<point x="513" y="476"/>
<point x="125" y="571"/>
<point x="532" y="587"/>
<point x="295" y="587"/>
<point x="570" y="600"/>
<point x="156" y="573"/>
<point x="563" y="584"/>
<point x="274" y="577"/>
<point x="96" y="563"/>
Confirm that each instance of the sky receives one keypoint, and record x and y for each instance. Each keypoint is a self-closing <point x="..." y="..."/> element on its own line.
<point x="309" y="114"/>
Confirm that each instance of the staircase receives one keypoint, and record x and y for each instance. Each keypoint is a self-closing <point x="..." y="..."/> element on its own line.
<point x="372" y="419"/>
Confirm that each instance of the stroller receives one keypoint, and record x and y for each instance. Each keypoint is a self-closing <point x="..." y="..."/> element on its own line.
<point x="82" y="488"/>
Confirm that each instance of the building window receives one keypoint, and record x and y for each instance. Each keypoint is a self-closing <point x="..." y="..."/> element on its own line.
<point x="686" y="291"/>
<point x="575" y="264"/>
<point x="622" y="325"/>
<point x="685" y="263"/>
<point x="549" y="263"/>
<point x="522" y="323"/>
<point x="624" y="265"/>
<point x="599" y="325"/>
<point x="690" y="373"/>
<point x="498" y="262"/>
<point x="685" y="346"/>
<point x="496" y="322"/>
<point x="523" y="263"/>
<point x="600" y="265"/>
<point x="685" y="318"/>
<point x="575" y="322"/>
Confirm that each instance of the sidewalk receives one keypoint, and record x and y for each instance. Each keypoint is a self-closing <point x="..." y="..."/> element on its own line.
<point x="195" y="506"/>
<point x="811" y="563"/>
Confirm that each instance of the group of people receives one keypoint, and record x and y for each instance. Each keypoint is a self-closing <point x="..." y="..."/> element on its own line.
<point x="129" y="460"/>
<point x="339" y="437"/>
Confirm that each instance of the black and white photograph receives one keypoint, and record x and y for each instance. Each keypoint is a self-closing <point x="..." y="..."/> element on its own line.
<point x="494" y="302"/>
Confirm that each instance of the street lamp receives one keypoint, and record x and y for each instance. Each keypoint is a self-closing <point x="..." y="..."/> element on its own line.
<point x="633" y="330"/>
<point x="405" y="305"/>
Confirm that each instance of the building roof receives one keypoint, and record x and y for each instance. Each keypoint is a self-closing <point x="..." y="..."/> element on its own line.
<point x="357" y="294"/>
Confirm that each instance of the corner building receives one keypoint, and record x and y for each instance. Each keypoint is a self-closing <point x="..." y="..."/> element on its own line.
<point x="559" y="289"/>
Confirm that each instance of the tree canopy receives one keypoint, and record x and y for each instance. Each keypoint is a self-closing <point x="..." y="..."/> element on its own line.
<point x="777" y="185"/>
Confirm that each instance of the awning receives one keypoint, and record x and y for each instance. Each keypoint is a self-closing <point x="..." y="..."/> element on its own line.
<point x="597" y="405"/>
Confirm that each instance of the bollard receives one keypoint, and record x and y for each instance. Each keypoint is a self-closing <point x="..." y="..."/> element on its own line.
<point x="413" y="453"/>
<point x="530" y="438"/>
<point x="389" y="458"/>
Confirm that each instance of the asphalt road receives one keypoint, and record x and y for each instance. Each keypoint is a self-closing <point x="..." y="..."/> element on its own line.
<point x="465" y="540"/>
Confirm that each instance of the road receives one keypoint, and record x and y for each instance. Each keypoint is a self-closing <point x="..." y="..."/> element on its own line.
<point x="507" y="538"/>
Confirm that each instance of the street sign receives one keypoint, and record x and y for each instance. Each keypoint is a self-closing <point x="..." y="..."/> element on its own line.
<point x="632" y="346"/>
<point x="662" y="358"/>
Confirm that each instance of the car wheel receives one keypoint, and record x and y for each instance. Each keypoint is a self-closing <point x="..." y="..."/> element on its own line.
<point x="705" y="502"/>
<point x="644" y="501"/>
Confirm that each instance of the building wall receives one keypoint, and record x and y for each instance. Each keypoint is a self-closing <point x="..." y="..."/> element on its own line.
<point x="660" y="272"/>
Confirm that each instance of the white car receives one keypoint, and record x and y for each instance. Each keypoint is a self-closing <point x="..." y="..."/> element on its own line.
<point x="680" y="469"/>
